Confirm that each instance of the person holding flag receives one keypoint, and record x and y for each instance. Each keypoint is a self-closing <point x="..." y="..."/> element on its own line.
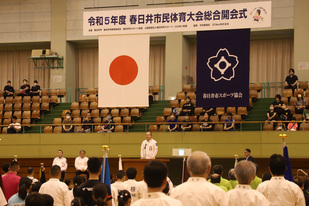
<point x="85" y="190"/>
<point x="278" y="190"/>
<point x="149" y="147"/>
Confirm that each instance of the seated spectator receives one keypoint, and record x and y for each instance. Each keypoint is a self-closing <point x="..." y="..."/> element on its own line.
<point x="108" y="127"/>
<point x="292" y="126"/>
<point x="187" y="108"/>
<point x="8" y="90"/>
<point x="207" y="125"/>
<point x="186" y="126"/>
<point x="278" y="190"/>
<point x="300" y="104"/>
<point x="229" y="124"/>
<point x="291" y="80"/>
<point x="87" y="120"/>
<point x="35" y="90"/>
<point x="23" y="189"/>
<point x="243" y="194"/>
<point x="278" y="104"/>
<point x="67" y="126"/>
<point x="281" y="126"/>
<point x="232" y="178"/>
<point x="14" y="127"/>
<point x="216" y="179"/>
<point x="209" y="110"/>
<point x="286" y="113"/>
<point x="271" y="116"/>
<point x="172" y="127"/>
<point x="24" y="89"/>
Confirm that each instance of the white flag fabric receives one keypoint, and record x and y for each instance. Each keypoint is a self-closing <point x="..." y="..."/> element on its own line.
<point x="120" y="164"/>
<point x="124" y="71"/>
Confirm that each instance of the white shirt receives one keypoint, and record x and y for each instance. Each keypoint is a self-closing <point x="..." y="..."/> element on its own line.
<point x="245" y="195"/>
<point x="170" y="184"/>
<point x="3" y="201"/>
<point x="81" y="163"/>
<point x="199" y="192"/>
<point x="61" y="162"/>
<point x="133" y="188"/>
<point x="16" y="125"/>
<point x="157" y="198"/>
<point x="58" y="190"/>
<point x="33" y="179"/>
<point x="115" y="188"/>
<point x="280" y="191"/>
<point x="69" y="198"/>
<point x="149" y="149"/>
<point x="143" y="189"/>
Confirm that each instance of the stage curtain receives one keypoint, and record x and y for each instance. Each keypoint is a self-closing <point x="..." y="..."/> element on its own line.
<point x="15" y="66"/>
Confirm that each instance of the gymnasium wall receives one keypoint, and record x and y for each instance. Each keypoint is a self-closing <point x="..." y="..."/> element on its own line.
<point x="215" y="144"/>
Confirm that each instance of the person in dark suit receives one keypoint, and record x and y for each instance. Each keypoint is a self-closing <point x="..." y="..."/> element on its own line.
<point x="248" y="155"/>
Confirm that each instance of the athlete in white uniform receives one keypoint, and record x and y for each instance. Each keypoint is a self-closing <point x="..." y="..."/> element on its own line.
<point x="133" y="185"/>
<point x="197" y="190"/>
<point x="62" y="163"/>
<point x="243" y="194"/>
<point x="149" y="147"/>
<point x="117" y="186"/>
<point x="155" y="175"/>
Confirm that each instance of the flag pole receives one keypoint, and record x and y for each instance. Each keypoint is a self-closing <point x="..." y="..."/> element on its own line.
<point x="236" y="159"/>
<point x="104" y="148"/>
<point x="120" y="163"/>
<point x="283" y="136"/>
<point x="183" y="168"/>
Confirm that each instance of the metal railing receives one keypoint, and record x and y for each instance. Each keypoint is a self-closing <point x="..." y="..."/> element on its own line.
<point x="83" y="90"/>
<point x="239" y="125"/>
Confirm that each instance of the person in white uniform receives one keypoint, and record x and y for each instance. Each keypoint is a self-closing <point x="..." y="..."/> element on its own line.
<point x="53" y="187"/>
<point x="30" y="172"/>
<point x="149" y="147"/>
<point x="197" y="190"/>
<point x="62" y="163"/>
<point x="155" y="175"/>
<point x="243" y="194"/>
<point x="278" y="190"/>
<point x="132" y="184"/>
<point x="117" y="186"/>
<point x="81" y="164"/>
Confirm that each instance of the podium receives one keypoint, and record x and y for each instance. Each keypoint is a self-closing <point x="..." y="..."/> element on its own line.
<point x="139" y="164"/>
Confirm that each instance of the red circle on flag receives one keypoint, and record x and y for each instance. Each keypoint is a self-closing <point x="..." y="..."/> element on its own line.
<point x="123" y="70"/>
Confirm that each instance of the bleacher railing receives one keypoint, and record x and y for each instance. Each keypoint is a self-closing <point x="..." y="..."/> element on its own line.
<point x="161" y="94"/>
<point x="128" y="126"/>
<point x="270" y="89"/>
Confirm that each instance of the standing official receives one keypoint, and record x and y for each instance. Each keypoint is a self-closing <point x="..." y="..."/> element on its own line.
<point x="62" y="163"/>
<point x="149" y="148"/>
<point x="81" y="164"/>
<point x="248" y="155"/>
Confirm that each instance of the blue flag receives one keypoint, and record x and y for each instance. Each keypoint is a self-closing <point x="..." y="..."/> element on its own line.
<point x="288" y="175"/>
<point x="106" y="172"/>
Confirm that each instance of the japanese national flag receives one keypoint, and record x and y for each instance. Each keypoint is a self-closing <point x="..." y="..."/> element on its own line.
<point x="123" y="70"/>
